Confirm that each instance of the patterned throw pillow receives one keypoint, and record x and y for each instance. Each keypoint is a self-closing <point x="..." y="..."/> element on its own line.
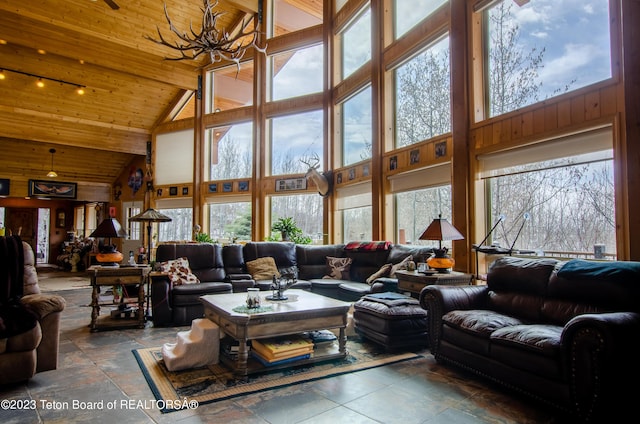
<point x="263" y="268"/>
<point x="382" y="272"/>
<point x="401" y="265"/>
<point x="338" y="268"/>
<point x="179" y="271"/>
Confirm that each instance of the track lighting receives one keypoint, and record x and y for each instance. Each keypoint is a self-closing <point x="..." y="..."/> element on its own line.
<point x="80" y="89"/>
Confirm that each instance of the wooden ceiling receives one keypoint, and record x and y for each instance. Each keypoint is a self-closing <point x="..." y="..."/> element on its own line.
<point x="129" y="86"/>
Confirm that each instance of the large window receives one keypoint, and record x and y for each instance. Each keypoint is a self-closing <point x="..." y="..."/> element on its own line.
<point x="306" y="211"/>
<point x="357" y="224"/>
<point x="231" y="150"/>
<point x="416" y="209"/>
<point x="545" y="48"/>
<point x="407" y="13"/>
<point x="180" y="227"/>
<point x="295" y="138"/>
<point x="229" y="87"/>
<point x="356" y="124"/>
<point x="291" y="16"/>
<point x="423" y="99"/>
<point x="356" y="44"/>
<point x="551" y="204"/>
<point x="230" y="221"/>
<point x="296" y="73"/>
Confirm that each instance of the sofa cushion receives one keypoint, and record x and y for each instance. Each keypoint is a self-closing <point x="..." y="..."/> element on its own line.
<point x="479" y="321"/>
<point x="382" y="272"/>
<point x="312" y="259"/>
<point x="179" y="271"/>
<point x="263" y="268"/>
<point x="594" y="270"/>
<point x="338" y="268"/>
<point x="520" y="275"/>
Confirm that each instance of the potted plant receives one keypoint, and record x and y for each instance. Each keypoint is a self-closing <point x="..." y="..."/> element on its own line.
<point x="289" y="231"/>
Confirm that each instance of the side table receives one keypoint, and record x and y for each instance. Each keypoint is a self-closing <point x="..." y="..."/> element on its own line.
<point x="414" y="281"/>
<point x="122" y="313"/>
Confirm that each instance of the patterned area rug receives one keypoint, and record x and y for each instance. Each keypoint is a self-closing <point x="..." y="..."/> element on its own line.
<point x="174" y="390"/>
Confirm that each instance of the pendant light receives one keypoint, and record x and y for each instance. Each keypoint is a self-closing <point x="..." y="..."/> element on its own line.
<point x="52" y="173"/>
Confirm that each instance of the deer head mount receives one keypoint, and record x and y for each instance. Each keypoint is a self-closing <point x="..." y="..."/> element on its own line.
<point x="218" y="44"/>
<point x="321" y="180"/>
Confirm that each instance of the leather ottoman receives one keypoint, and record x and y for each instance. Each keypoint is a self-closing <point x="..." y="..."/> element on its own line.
<point x="392" y="320"/>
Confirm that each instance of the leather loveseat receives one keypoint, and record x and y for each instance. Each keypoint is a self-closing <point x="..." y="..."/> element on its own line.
<point x="223" y="269"/>
<point x="565" y="333"/>
<point x="29" y="320"/>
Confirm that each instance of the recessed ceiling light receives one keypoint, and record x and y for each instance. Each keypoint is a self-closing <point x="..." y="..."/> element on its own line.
<point x="42" y="51"/>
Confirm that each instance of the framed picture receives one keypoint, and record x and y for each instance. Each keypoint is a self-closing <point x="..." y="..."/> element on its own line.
<point x="185" y="191"/>
<point x="441" y="149"/>
<point x="352" y="174"/>
<point x="289" y="184"/>
<point x="414" y="156"/>
<point x="159" y="192"/>
<point x="365" y="170"/>
<point x="60" y="218"/>
<point x="213" y="188"/>
<point x="173" y="191"/>
<point x="4" y="186"/>
<point x="53" y="189"/>
<point x="339" y="178"/>
<point x="243" y="185"/>
<point x="393" y="162"/>
<point x="227" y="187"/>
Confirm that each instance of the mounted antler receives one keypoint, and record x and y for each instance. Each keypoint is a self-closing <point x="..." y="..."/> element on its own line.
<point x="218" y="44"/>
<point x="320" y="180"/>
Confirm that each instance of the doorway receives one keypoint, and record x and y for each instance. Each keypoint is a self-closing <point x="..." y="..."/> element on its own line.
<point x="22" y="222"/>
<point x="42" y="240"/>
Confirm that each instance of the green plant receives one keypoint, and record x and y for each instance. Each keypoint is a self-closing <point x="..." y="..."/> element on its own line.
<point x="204" y="238"/>
<point x="289" y="231"/>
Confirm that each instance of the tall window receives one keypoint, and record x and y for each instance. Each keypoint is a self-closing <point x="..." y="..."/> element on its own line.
<point x="306" y="211"/>
<point x="296" y="73"/>
<point x="557" y="200"/>
<point x="545" y="48"/>
<point x="230" y="221"/>
<point x="229" y="88"/>
<point x="231" y="150"/>
<point x="357" y="224"/>
<point x="407" y="13"/>
<point x="180" y="227"/>
<point x="356" y="44"/>
<point x="295" y="137"/>
<point x="288" y="17"/>
<point x="417" y="208"/>
<point x="356" y="123"/>
<point x="423" y="99"/>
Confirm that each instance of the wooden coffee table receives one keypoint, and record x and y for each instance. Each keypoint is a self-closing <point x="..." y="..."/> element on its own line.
<point x="302" y="311"/>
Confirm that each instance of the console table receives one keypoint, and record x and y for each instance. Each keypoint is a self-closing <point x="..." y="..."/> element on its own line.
<point x="414" y="281"/>
<point x="125" y="277"/>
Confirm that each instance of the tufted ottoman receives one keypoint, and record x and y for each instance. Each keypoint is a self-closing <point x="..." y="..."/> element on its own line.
<point x="392" y="320"/>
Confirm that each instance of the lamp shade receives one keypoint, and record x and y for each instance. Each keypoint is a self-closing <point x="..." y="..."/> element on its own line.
<point x="440" y="229"/>
<point x="109" y="228"/>
<point x="150" y="215"/>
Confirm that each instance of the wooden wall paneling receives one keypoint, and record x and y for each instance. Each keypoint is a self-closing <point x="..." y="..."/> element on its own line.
<point x="550" y="117"/>
<point x="592" y="102"/>
<point x="577" y="109"/>
<point x="564" y="113"/>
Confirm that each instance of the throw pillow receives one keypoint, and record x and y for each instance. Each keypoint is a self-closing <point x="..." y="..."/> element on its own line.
<point x="402" y="265"/>
<point x="338" y="268"/>
<point x="382" y="272"/>
<point x="263" y="268"/>
<point x="179" y="271"/>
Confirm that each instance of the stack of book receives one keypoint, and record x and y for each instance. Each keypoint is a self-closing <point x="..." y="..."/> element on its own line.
<point x="281" y="350"/>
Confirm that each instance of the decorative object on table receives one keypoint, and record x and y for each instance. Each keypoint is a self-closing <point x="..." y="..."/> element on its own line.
<point x="279" y="285"/>
<point x="440" y="229"/>
<point x="108" y="255"/>
<point x="149" y="216"/>
<point x="253" y="298"/>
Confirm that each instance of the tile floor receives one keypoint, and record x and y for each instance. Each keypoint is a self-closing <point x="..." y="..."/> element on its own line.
<point x="101" y="366"/>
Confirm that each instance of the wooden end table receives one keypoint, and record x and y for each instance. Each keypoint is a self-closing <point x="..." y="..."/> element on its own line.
<point x="303" y="311"/>
<point x="414" y="281"/>
<point x="127" y="278"/>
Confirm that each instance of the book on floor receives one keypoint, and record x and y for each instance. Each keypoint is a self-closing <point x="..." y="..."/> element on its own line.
<point x="271" y="356"/>
<point x="268" y="363"/>
<point x="282" y="344"/>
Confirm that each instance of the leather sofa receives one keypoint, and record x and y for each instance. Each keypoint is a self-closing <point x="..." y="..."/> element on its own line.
<point x="222" y="269"/>
<point x="565" y="333"/>
<point x="29" y="320"/>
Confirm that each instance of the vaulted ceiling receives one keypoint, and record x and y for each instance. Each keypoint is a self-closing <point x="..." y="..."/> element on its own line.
<point x="129" y="86"/>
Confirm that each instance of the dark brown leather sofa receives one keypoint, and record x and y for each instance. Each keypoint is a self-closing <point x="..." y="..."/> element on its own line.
<point x="222" y="269"/>
<point x="565" y="333"/>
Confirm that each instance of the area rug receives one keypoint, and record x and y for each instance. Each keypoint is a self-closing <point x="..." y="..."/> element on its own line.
<point x="178" y="390"/>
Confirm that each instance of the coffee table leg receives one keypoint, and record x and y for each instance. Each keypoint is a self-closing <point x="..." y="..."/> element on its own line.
<point x="342" y="341"/>
<point x="243" y="357"/>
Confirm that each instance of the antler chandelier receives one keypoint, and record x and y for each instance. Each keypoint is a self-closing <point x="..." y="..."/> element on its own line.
<point x="218" y="44"/>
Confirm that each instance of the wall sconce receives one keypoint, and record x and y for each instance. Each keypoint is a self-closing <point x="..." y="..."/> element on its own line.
<point x="117" y="191"/>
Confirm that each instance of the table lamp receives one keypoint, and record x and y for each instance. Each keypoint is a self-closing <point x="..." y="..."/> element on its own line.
<point x="108" y="255"/>
<point x="440" y="229"/>
<point x="149" y="216"/>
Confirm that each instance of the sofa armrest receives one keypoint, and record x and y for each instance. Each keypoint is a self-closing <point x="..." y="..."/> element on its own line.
<point x="49" y="309"/>
<point x="242" y="285"/>
<point x="161" y="308"/>
<point x="439" y="300"/>
<point x="601" y="356"/>
<point x="43" y="304"/>
<point x="240" y="276"/>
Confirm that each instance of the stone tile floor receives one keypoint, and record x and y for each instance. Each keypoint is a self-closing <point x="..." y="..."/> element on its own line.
<point x="101" y="367"/>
